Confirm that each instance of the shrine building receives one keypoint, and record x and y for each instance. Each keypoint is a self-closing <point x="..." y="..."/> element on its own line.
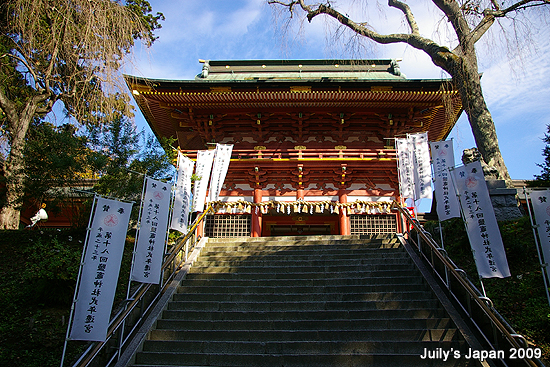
<point x="314" y="140"/>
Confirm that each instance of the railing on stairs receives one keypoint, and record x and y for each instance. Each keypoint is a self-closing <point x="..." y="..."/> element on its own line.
<point x="130" y="317"/>
<point x="492" y="327"/>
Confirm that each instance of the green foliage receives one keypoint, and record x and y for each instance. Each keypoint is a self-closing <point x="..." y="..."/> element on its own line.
<point x="543" y="180"/>
<point x="49" y="169"/>
<point x="38" y="279"/>
<point x="126" y="164"/>
<point x="520" y="298"/>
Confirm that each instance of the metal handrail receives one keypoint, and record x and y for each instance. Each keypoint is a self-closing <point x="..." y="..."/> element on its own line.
<point x="484" y="303"/>
<point x="119" y="320"/>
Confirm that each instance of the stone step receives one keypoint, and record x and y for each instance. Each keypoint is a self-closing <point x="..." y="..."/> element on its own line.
<point x="322" y="324"/>
<point x="309" y="239"/>
<point x="284" y="288"/>
<point x="296" y="306"/>
<point x="301" y="297"/>
<point x="312" y="257"/>
<point x="302" y="301"/>
<point x="364" y="335"/>
<point x="296" y="269"/>
<point x="306" y="315"/>
<point x="156" y="359"/>
<point x="292" y="280"/>
<point x="295" y="348"/>
<point x="298" y="250"/>
<point x="293" y="274"/>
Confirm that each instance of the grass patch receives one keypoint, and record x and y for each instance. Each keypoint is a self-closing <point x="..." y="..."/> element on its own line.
<point x="39" y="271"/>
<point x="520" y="298"/>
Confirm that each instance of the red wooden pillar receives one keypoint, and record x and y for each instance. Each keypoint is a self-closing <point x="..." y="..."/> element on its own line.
<point x="300" y="194"/>
<point x="257" y="214"/>
<point x="343" y="213"/>
<point x="199" y="232"/>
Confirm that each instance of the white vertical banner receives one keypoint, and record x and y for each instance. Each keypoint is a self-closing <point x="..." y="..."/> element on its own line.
<point x="219" y="170"/>
<point x="152" y="232"/>
<point x="205" y="158"/>
<point x="100" y="270"/>
<point x="404" y="165"/>
<point x="480" y="221"/>
<point x="422" y="169"/>
<point x="442" y="159"/>
<point x="182" y="194"/>
<point x="541" y="209"/>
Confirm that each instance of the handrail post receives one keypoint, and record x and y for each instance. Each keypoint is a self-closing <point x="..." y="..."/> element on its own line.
<point x="498" y="325"/>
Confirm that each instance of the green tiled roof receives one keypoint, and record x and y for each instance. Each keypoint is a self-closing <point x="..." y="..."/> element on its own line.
<point x="233" y="70"/>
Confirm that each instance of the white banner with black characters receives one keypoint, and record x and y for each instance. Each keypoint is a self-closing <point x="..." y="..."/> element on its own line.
<point x="205" y="158"/>
<point x="404" y="164"/>
<point x="480" y="221"/>
<point x="541" y="208"/>
<point x="219" y="170"/>
<point x="182" y="194"/>
<point x="422" y="171"/>
<point x="152" y="232"/>
<point x="446" y="200"/>
<point x="100" y="270"/>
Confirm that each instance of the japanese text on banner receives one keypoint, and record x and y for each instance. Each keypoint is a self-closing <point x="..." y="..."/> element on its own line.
<point x="404" y="163"/>
<point x="541" y="208"/>
<point x="480" y="221"/>
<point x="182" y="194"/>
<point x="153" y="229"/>
<point x="100" y="270"/>
<point x="422" y="169"/>
<point x="219" y="170"/>
<point x="446" y="200"/>
<point x="205" y="158"/>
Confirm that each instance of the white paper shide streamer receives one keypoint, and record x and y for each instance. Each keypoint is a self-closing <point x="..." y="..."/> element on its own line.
<point x="182" y="194"/>
<point x="100" y="270"/>
<point x="222" y="159"/>
<point x="152" y="233"/>
<point x="480" y="221"/>
<point x="205" y="158"/>
<point x="446" y="200"/>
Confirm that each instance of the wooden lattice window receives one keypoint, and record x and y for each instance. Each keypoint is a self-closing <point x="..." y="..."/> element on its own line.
<point x="373" y="223"/>
<point x="227" y="225"/>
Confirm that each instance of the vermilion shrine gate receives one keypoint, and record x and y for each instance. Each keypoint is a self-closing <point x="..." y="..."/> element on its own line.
<point x="313" y="140"/>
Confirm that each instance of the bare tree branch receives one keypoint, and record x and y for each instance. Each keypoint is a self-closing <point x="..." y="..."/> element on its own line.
<point x="408" y="14"/>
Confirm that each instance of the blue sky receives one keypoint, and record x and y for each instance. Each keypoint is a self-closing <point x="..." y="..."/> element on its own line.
<point x="516" y="81"/>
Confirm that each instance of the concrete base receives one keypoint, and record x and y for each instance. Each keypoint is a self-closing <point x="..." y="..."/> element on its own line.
<point x="504" y="200"/>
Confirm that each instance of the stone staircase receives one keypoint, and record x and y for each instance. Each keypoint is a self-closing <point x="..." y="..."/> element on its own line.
<point x="302" y="301"/>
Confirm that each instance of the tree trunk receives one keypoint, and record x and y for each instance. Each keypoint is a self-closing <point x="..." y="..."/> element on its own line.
<point x="464" y="72"/>
<point x="14" y="167"/>
<point x="13" y="171"/>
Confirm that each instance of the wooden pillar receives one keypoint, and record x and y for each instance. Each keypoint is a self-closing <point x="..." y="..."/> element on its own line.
<point x="343" y="214"/>
<point x="300" y="194"/>
<point x="257" y="215"/>
<point x="199" y="232"/>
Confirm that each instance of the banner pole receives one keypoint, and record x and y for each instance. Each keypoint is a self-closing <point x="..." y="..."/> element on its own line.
<point x="543" y="265"/>
<point x="482" y="287"/>
<point x="137" y="234"/>
<point x="78" y="280"/>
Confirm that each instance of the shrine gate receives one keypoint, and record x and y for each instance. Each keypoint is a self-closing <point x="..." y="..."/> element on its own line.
<point x="314" y="149"/>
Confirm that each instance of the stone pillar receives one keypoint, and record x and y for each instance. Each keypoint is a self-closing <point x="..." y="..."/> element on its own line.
<point x="256" y="230"/>
<point x="343" y="214"/>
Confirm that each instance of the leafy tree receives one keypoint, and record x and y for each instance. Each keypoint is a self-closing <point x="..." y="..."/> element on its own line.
<point x="543" y="180"/>
<point x="470" y="20"/>
<point x="54" y="50"/>
<point x="123" y="172"/>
